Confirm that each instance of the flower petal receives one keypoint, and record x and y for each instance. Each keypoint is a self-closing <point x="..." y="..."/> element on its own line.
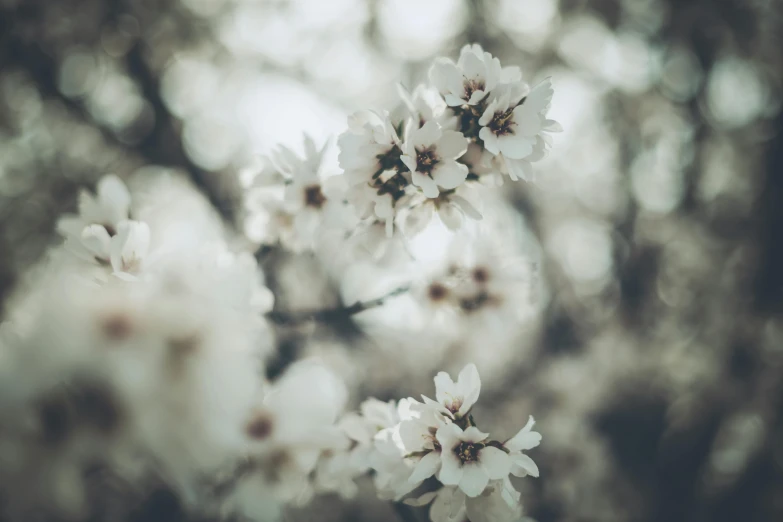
<point x="451" y="469"/>
<point x="466" y="207"/>
<point x="417" y="219"/>
<point x="448" y="506"/>
<point x="522" y="465"/>
<point x="490" y="140"/>
<point x="451" y="216"/>
<point x="452" y="144"/>
<point x="519" y="169"/>
<point x="426" y="184"/>
<point x="473" y="434"/>
<point x="469" y="385"/>
<point x="515" y="146"/>
<point x="474" y="480"/>
<point x="525" y="438"/>
<point x="427" y="467"/>
<point x="445" y="389"/>
<point x="496" y="462"/>
<point x="450" y="174"/>
<point x="427" y="135"/>
<point x="422" y="500"/>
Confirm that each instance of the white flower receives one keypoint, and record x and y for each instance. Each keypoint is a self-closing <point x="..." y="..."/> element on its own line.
<point x="370" y="156"/>
<point x="455" y="399"/>
<point x="431" y="153"/>
<point x="129" y="248"/>
<point x="312" y="201"/>
<point x="99" y="216"/>
<point x="498" y="503"/>
<point x="521" y="464"/>
<point x="448" y="504"/>
<point x="451" y="206"/>
<point x="468" y="81"/>
<point x="293" y="426"/>
<point x="392" y="470"/>
<point x="111" y="204"/>
<point x="512" y="123"/>
<point x="467" y="462"/>
<point x="425" y="104"/>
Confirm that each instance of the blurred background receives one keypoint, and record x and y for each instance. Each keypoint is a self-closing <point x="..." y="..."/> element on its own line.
<point x="654" y="363"/>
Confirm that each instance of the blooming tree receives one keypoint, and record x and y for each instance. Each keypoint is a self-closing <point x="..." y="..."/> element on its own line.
<point x="138" y="351"/>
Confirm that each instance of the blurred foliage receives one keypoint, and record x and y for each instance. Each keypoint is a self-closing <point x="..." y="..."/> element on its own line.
<point x="657" y="377"/>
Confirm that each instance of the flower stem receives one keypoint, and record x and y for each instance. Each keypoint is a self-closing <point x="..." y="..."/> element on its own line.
<point x="330" y="314"/>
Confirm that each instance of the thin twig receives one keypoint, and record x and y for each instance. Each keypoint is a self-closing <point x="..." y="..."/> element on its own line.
<point x="331" y="314"/>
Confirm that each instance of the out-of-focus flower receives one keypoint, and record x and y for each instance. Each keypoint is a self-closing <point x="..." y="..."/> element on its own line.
<point x="99" y="216"/>
<point x="129" y="248"/>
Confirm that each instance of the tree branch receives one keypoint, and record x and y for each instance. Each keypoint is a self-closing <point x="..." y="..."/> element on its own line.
<point x="332" y="314"/>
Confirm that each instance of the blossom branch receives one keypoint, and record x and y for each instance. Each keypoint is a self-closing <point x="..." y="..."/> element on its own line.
<point x="330" y="314"/>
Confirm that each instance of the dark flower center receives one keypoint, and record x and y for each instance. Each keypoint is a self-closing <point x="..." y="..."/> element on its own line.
<point x="437" y="292"/>
<point x="472" y="86"/>
<point x="467" y="451"/>
<point x="260" y="427"/>
<point x="426" y="160"/>
<point x="502" y="123"/>
<point x="395" y="183"/>
<point x="314" y="197"/>
<point x="480" y="274"/>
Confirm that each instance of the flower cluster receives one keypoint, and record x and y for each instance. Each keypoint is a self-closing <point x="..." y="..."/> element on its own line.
<point x="435" y="445"/>
<point x="475" y="122"/>
<point x="103" y="233"/>
<point x="138" y="347"/>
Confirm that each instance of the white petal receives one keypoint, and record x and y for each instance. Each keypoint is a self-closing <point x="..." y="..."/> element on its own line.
<point x="448" y="435"/>
<point x="426" y="467"/>
<point x="473" y="434"/>
<point x="489" y="113"/>
<point x="427" y="135"/>
<point x="415" y="435"/>
<point x="445" y="76"/>
<point x="522" y="465"/>
<point x="452" y="144"/>
<point x="514" y="146"/>
<point x="473" y="481"/>
<point x="496" y="462"/>
<point x="450" y="174"/>
<point x="426" y="184"/>
<point x="552" y="126"/>
<point x="113" y="194"/>
<point x="422" y="500"/>
<point x="451" y="470"/>
<point x="466" y="207"/>
<point x="519" y="169"/>
<point x="490" y="140"/>
<point x="469" y="385"/>
<point x="409" y="162"/>
<point x="451" y="216"/>
<point x="445" y="389"/>
<point x="472" y="65"/>
<point x="525" y="439"/>
<point x="448" y="505"/>
<point x="70" y="225"/>
<point x="96" y="239"/>
<point x="453" y="101"/>
<point x="417" y="219"/>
